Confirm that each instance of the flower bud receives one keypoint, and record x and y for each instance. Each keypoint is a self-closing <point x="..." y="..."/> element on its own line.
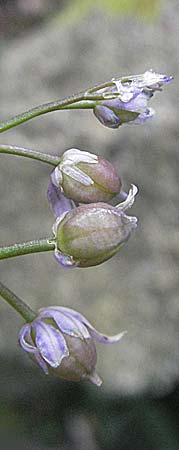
<point x="131" y="95"/>
<point x="61" y="341"/>
<point x="91" y="234"/>
<point x="85" y="177"/>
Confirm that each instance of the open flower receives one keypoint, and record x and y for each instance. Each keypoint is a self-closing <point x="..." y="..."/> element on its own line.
<point x="131" y="99"/>
<point x="85" y="178"/>
<point x="61" y="341"/>
<point x="91" y="234"/>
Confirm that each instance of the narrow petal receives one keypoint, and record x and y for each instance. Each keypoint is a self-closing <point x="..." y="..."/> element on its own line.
<point x="148" y="79"/>
<point x="95" y="379"/>
<point x="58" y="202"/>
<point x="75" y="156"/>
<point x="50" y="343"/>
<point x="26" y="343"/>
<point x="41" y="362"/>
<point x="78" y="175"/>
<point x="105" y="339"/>
<point x="66" y="322"/>
<point x="106" y="116"/>
<point x="93" y="332"/>
<point x="66" y="261"/>
<point x="129" y="200"/>
<point x="25" y="339"/>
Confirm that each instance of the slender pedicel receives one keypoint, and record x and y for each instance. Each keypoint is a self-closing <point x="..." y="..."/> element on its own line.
<point x="33" y="154"/>
<point x="25" y="248"/>
<point x="83" y="100"/>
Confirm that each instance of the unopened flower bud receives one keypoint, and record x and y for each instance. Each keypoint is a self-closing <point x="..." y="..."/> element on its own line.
<point x="91" y="234"/>
<point x="131" y="98"/>
<point x="85" y="177"/>
<point x="61" y="341"/>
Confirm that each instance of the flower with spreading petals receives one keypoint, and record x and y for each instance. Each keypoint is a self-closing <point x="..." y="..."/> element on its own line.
<point x="132" y="94"/>
<point x="61" y="341"/>
<point x="91" y="234"/>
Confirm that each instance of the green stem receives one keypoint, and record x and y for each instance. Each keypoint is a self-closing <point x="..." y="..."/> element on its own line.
<point x="33" y="154"/>
<point x="25" y="248"/>
<point x="84" y="101"/>
<point x="27" y="313"/>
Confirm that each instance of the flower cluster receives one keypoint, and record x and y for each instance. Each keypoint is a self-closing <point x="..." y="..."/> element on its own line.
<point x="88" y="228"/>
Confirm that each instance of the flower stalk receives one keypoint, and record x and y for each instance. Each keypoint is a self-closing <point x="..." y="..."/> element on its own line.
<point x="25" y="248"/>
<point x="84" y="100"/>
<point x="33" y="154"/>
<point x="19" y="305"/>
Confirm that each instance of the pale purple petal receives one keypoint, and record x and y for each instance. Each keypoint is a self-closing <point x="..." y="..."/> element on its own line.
<point x="93" y="332"/>
<point x="146" y="114"/>
<point x="106" y="116"/>
<point x="25" y="339"/>
<point x="50" y="343"/>
<point x="27" y="344"/>
<point x="66" y="323"/>
<point x="66" y="261"/>
<point x="41" y="362"/>
<point x="58" y="202"/>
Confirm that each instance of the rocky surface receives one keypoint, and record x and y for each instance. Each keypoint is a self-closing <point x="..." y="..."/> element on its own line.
<point x="138" y="289"/>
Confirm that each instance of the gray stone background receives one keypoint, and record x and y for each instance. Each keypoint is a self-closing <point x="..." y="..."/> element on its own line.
<point x="137" y="290"/>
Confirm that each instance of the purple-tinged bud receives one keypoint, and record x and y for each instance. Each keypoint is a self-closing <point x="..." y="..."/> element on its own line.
<point x="91" y="234"/>
<point x="131" y="98"/>
<point x="61" y="341"/>
<point x="85" y="177"/>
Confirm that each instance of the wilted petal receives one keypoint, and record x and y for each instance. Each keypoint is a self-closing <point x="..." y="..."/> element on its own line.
<point x="58" y="202"/>
<point x="66" y="323"/>
<point x="129" y="200"/>
<point x="93" y="332"/>
<point x="147" y="114"/>
<point x="148" y="79"/>
<point x="130" y="94"/>
<point x="152" y="79"/>
<point x="50" y="343"/>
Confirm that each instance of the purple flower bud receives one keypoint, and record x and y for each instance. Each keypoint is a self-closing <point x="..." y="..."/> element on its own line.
<point x="131" y="98"/>
<point x="91" y="234"/>
<point x="61" y="341"/>
<point x="85" y="177"/>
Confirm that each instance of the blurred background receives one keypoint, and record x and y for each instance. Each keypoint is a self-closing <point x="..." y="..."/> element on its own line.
<point x="50" y="49"/>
